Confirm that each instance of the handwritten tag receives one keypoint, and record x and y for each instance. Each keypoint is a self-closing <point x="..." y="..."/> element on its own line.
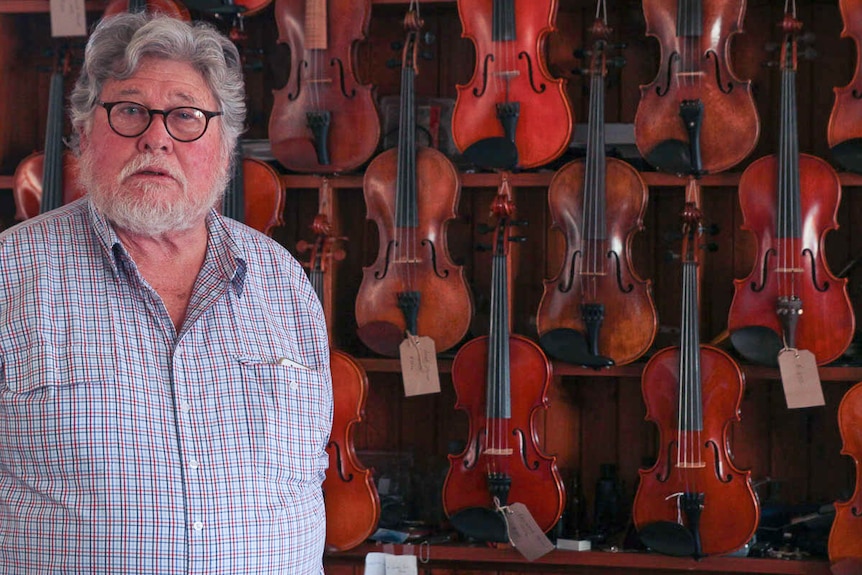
<point x="68" y="18"/>
<point x="375" y="563"/>
<point x="800" y="378"/>
<point x="419" y="365"/>
<point x="525" y="534"/>
<point x="401" y="565"/>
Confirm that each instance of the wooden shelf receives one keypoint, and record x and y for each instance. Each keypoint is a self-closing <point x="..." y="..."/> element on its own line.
<point x="593" y="562"/>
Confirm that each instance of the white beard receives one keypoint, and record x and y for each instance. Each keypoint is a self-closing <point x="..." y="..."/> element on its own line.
<point x="144" y="211"/>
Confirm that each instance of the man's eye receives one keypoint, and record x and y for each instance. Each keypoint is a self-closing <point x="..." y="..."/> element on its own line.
<point x="132" y="110"/>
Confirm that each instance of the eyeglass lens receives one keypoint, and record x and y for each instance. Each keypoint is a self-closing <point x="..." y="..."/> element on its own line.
<point x="131" y="119"/>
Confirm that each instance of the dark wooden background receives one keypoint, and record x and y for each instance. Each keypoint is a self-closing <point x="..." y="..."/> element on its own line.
<point x="594" y="418"/>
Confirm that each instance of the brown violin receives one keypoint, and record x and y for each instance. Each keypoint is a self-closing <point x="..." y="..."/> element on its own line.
<point x="323" y="120"/>
<point x="696" y="117"/>
<point x="789" y="201"/>
<point x="512" y="112"/>
<point x="350" y="496"/>
<point x="411" y="193"/>
<point x="844" y="132"/>
<point x="255" y="195"/>
<point x="47" y="180"/>
<point x="597" y="312"/>
<point x="693" y="501"/>
<point x="845" y="536"/>
<point x="501" y="381"/>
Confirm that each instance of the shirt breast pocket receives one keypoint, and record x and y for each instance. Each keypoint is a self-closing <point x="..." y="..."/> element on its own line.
<point x="57" y="406"/>
<point x="289" y="419"/>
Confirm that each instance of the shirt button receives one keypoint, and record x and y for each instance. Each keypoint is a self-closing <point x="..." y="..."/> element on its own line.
<point x="294" y="386"/>
<point x="198" y="525"/>
<point x="194" y="463"/>
<point x="185" y="407"/>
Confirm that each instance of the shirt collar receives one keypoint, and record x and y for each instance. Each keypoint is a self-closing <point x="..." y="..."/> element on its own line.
<point x="225" y="256"/>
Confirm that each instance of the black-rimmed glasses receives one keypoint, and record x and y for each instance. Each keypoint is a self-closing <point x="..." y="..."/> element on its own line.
<point x="184" y="123"/>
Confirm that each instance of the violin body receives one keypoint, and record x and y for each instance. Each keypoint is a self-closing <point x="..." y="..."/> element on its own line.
<point x="169" y="7"/>
<point x="263" y="195"/>
<point x="27" y="183"/>
<point x="844" y="132"/>
<point x="535" y="481"/>
<point x="845" y="537"/>
<point x="511" y="69"/>
<point x="412" y="258"/>
<point x="695" y="66"/>
<point x="827" y="325"/>
<point x="730" y="511"/>
<point x="350" y="496"/>
<point x="323" y="120"/>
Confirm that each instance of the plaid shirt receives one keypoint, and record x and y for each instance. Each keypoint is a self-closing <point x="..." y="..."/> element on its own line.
<point x="126" y="447"/>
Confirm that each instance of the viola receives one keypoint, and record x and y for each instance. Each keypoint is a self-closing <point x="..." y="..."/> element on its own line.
<point x="596" y="311"/>
<point x="844" y="133"/>
<point x="350" y="496"/>
<point x="323" y="120"/>
<point x="693" y="501"/>
<point x="501" y="381"/>
<point x="696" y="117"/>
<point x="845" y="536"/>
<point x="411" y="193"/>
<point x="46" y="180"/>
<point x="789" y="201"/>
<point x="254" y="195"/>
<point x="511" y="101"/>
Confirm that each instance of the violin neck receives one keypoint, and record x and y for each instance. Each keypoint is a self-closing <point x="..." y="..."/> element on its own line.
<point x="690" y="402"/>
<point x="789" y="225"/>
<point x="52" y="171"/>
<point x="233" y="204"/>
<point x="406" y="210"/>
<point x="595" y="166"/>
<point x="498" y="382"/>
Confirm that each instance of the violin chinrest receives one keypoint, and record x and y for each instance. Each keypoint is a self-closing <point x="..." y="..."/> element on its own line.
<point x="848" y="154"/>
<point x="481" y="523"/>
<point x="672" y="156"/>
<point x="498" y="153"/>
<point x="570" y="345"/>
<point x="668" y="538"/>
<point x="758" y="344"/>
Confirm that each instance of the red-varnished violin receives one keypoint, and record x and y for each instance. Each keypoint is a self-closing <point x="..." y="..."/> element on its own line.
<point x="255" y="195"/>
<point x="693" y="501"/>
<point x="511" y="95"/>
<point x="501" y="381"/>
<point x="696" y="117"/>
<point x="351" y="499"/>
<point x="597" y="311"/>
<point x="411" y="193"/>
<point x="789" y="201"/>
<point x="844" y="132"/>
<point x="845" y="536"/>
<point x="323" y="120"/>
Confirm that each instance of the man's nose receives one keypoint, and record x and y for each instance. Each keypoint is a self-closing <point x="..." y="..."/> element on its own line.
<point x="156" y="136"/>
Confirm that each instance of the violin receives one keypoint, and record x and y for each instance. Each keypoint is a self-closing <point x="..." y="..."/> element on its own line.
<point x="501" y="381"/>
<point x="789" y="201"/>
<point x="845" y="536"/>
<point x="844" y="132"/>
<point x="46" y="180"/>
<point x="323" y="120"/>
<point x="254" y="195"/>
<point x="350" y="496"/>
<point x="169" y="7"/>
<point x="596" y="311"/>
<point x="411" y="192"/>
<point x="696" y="117"/>
<point x="511" y="101"/>
<point x="693" y="501"/>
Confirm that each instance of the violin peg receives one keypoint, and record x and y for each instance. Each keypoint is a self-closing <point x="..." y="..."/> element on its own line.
<point x="518" y="239"/>
<point x="581" y="53"/>
<point x="519" y="223"/>
<point x="393" y="63"/>
<point x="483" y="248"/>
<point x="485" y="228"/>
<point x="616" y="62"/>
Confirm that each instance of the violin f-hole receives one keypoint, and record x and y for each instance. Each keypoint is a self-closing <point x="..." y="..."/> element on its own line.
<point x="716" y="454"/>
<point x="718" y="81"/>
<point x="619" y="273"/>
<point x="810" y="254"/>
<point x="445" y="273"/>
<point x="292" y="96"/>
<point x="340" y="462"/>
<point x="479" y="92"/>
<point x="764" y="271"/>
<point x="343" y="86"/>
<point x="672" y="59"/>
<point x="537" y="89"/>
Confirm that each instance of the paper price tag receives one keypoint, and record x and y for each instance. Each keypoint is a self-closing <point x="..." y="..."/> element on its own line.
<point x="419" y="365"/>
<point x="525" y="534"/>
<point x="799" y="378"/>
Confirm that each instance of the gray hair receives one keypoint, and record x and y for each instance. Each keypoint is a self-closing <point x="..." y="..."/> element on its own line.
<point x="117" y="44"/>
